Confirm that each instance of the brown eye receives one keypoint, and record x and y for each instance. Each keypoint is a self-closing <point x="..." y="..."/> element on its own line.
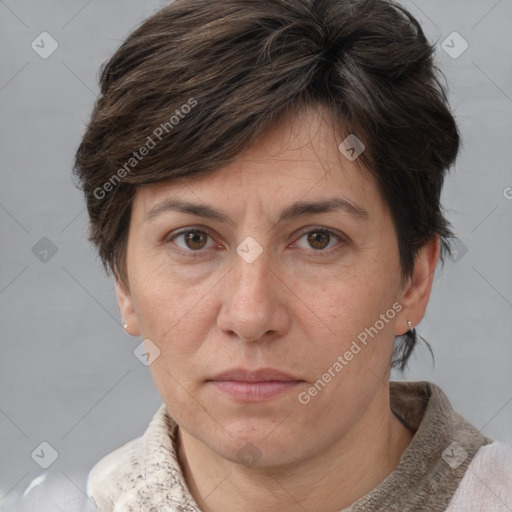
<point x="192" y="240"/>
<point x="195" y="240"/>
<point x="319" y="239"/>
<point x="324" y="242"/>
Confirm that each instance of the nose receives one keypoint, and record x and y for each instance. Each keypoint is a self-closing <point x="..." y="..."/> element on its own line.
<point x="253" y="300"/>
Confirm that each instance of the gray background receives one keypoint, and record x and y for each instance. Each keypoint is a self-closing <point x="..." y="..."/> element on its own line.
<point x="68" y="375"/>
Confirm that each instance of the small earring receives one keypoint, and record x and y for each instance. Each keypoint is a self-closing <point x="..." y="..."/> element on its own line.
<point x="125" y="324"/>
<point x="410" y="326"/>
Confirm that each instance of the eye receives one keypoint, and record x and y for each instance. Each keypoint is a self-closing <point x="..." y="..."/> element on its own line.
<point x="194" y="240"/>
<point x="320" y="239"/>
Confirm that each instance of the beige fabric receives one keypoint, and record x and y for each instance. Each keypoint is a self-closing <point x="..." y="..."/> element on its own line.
<point x="487" y="484"/>
<point x="144" y="475"/>
<point x="432" y="467"/>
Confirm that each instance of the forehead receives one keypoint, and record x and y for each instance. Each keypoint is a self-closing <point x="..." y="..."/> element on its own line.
<point x="299" y="157"/>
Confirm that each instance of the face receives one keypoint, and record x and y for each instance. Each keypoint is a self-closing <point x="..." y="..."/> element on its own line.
<point x="259" y="313"/>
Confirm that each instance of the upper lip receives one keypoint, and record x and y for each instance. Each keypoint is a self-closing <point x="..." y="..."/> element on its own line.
<point x="260" y="375"/>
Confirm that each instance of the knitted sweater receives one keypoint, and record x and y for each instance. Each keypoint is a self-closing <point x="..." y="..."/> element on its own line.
<point x="448" y="466"/>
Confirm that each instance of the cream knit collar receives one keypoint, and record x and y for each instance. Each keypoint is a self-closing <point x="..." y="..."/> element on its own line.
<point x="426" y="478"/>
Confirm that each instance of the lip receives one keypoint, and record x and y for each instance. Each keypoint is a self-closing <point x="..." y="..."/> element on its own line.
<point x="254" y="385"/>
<point x="260" y="375"/>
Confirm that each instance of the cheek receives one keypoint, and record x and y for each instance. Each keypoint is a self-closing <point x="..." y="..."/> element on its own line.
<point x="160" y="296"/>
<point x="175" y="320"/>
<point x="351" y="300"/>
<point x="349" y="360"/>
<point x="354" y="318"/>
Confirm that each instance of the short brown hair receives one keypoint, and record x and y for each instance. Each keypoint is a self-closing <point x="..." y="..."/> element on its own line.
<point x="216" y="74"/>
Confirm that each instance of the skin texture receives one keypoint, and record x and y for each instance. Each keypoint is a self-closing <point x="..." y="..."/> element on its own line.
<point x="295" y="308"/>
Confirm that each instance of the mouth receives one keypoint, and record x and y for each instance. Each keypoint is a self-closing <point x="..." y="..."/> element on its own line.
<point x="254" y="386"/>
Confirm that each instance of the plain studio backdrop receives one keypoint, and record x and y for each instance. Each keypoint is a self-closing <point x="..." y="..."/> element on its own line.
<point x="68" y="374"/>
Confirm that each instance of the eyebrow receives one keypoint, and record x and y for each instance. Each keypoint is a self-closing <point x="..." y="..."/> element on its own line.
<point x="294" y="211"/>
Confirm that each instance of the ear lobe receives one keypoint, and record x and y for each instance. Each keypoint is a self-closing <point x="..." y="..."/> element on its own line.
<point x="125" y="302"/>
<point x="416" y="292"/>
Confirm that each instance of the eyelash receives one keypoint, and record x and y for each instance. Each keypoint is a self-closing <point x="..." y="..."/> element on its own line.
<point x="315" y="253"/>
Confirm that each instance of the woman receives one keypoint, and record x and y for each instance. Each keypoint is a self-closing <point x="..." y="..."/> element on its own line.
<point x="263" y="180"/>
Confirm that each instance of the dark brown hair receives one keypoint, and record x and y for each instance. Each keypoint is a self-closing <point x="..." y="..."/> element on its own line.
<point x="201" y="80"/>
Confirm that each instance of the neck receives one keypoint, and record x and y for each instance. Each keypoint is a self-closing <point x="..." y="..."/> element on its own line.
<point x="329" y="482"/>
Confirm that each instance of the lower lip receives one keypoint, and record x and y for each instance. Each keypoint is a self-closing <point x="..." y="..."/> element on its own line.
<point x="254" y="391"/>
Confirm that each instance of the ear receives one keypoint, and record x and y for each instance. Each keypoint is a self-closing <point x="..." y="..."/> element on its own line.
<point x="416" y="292"/>
<point x="125" y="302"/>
